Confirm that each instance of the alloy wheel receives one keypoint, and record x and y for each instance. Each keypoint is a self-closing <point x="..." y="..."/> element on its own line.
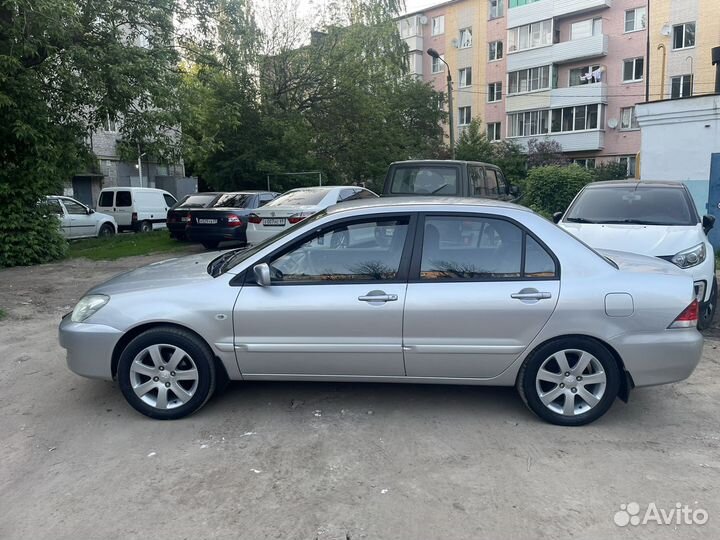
<point x="571" y="382"/>
<point x="164" y="376"/>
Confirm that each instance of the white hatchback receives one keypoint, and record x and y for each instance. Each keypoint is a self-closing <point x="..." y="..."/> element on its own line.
<point x="297" y="204"/>
<point x="80" y="221"/>
<point x="650" y="218"/>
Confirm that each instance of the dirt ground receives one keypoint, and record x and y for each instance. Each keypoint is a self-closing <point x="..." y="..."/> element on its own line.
<point x="329" y="461"/>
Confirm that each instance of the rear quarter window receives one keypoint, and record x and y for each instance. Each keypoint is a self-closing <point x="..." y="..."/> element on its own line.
<point x="123" y="198"/>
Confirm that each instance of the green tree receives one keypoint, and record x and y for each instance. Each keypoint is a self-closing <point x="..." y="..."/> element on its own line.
<point x="473" y="144"/>
<point x="508" y="155"/>
<point x="610" y="171"/>
<point x="551" y="188"/>
<point x="543" y="152"/>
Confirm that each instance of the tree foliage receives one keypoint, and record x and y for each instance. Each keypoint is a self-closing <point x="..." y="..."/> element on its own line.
<point x="551" y="188"/>
<point x="473" y="144"/>
<point x="543" y="152"/>
<point x="611" y="170"/>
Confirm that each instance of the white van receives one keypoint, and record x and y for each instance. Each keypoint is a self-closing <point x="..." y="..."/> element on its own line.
<point x="137" y="209"/>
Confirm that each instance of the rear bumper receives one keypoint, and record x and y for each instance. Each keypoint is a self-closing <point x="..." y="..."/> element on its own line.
<point x="255" y="235"/>
<point x="176" y="228"/>
<point x="660" y="358"/>
<point x="89" y="347"/>
<point x="219" y="234"/>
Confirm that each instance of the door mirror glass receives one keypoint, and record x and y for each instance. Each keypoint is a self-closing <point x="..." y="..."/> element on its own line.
<point x="708" y="222"/>
<point x="262" y="274"/>
<point x="557" y="216"/>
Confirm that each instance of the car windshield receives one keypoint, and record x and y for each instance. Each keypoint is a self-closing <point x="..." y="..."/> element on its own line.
<point x="300" y="197"/>
<point x="425" y="180"/>
<point x="633" y="205"/>
<point x="201" y="200"/>
<point x="228" y="260"/>
<point x="233" y="200"/>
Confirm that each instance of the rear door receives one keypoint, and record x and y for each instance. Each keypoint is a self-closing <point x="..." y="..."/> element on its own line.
<point x="58" y="210"/>
<point x="335" y="306"/>
<point x="481" y="288"/>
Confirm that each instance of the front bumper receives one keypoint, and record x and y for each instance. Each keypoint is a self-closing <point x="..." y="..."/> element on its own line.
<point x="660" y="358"/>
<point x="89" y="347"/>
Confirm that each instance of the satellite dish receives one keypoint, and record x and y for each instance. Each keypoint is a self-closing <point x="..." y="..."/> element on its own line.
<point x="666" y="30"/>
<point x="612" y="123"/>
<point x="423" y="19"/>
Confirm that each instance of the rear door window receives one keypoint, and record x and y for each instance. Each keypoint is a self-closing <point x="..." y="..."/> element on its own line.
<point x="106" y="198"/>
<point x="54" y="206"/>
<point x="425" y="180"/>
<point x="477" y="181"/>
<point x="123" y="198"/>
<point x="491" y="183"/>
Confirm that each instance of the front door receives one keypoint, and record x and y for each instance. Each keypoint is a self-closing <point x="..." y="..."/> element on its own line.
<point x="474" y="302"/>
<point x="80" y="222"/>
<point x="335" y="306"/>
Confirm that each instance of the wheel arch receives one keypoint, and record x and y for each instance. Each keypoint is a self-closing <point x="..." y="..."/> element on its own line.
<point x="626" y="381"/>
<point x="137" y="330"/>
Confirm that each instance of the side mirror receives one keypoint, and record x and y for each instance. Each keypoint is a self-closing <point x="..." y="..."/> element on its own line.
<point x="262" y="274"/>
<point x="557" y="216"/>
<point x="708" y="222"/>
<point x="90" y="211"/>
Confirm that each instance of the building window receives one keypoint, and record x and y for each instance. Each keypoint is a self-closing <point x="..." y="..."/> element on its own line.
<point x="633" y="70"/>
<point x="438" y="25"/>
<point x="538" y="34"/>
<point x="529" y="80"/>
<point x="681" y="87"/>
<point x="495" y="50"/>
<point x="630" y="163"/>
<point x="409" y="27"/>
<point x="588" y="163"/>
<point x="528" y="124"/>
<point x="581" y="118"/>
<point x="437" y="64"/>
<point x="493" y="131"/>
<point x="494" y="92"/>
<point x="628" y="120"/>
<point x="586" y="29"/>
<point x="110" y="124"/>
<point x="684" y="36"/>
<point x="517" y="3"/>
<point x="585" y="75"/>
<point x="465" y="116"/>
<point x="496" y="8"/>
<point x="635" y="19"/>
<point x="465" y="77"/>
<point x="465" y="38"/>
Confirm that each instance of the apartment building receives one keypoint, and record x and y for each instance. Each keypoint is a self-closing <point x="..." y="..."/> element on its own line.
<point x="567" y="70"/>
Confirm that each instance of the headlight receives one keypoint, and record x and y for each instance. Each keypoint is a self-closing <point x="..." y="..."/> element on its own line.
<point x="87" y="306"/>
<point x="690" y="257"/>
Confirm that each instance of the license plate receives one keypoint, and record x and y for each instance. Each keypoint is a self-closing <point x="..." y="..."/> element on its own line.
<point x="274" y="222"/>
<point x="204" y="221"/>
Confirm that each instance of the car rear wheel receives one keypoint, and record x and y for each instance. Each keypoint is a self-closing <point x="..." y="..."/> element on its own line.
<point x="569" y="382"/>
<point x="145" y="227"/>
<point x="106" y="229"/>
<point x="707" y="309"/>
<point x="166" y="373"/>
<point x="211" y="244"/>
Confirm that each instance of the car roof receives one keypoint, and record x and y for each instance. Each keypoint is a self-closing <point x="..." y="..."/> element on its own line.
<point x="637" y="184"/>
<point x="414" y="202"/>
<point x="442" y="162"/>
<point x="133" y="188"/>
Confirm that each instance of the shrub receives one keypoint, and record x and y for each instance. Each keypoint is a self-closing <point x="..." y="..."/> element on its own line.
<point x="611" y="170"/>
<point x="551" y="189"/>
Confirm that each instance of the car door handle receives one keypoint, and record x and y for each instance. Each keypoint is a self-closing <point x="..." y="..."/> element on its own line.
<point x="378" y="297"/>
<point x="531" y="295"/>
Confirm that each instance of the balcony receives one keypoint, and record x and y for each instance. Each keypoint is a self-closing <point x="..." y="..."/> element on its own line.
<point x="579" y="141"/>
<point x="545" y="9"/>
<point x="559" y="53"/>
<point x="585" y="94"/>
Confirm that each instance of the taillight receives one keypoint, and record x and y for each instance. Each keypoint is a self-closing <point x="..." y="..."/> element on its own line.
<point x="297" y="218"/>
<point x="689" y="317"/>
<point x="233" y="220"/>
<point x="254" y="218"/>
<point x="185" y="218"/>
<point x="134" y="216"/>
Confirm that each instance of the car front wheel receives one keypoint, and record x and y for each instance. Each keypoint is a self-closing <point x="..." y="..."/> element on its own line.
<point x="106" y="230"/>
<point x="570" y="381"/>
<point x="166" y="373"/>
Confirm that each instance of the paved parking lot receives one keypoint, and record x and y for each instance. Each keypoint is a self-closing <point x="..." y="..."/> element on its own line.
<point x="312" y="460"/>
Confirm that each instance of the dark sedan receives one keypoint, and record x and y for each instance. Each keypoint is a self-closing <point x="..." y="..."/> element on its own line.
<point x="226" y="219"/>
<point x="179" y="215"/>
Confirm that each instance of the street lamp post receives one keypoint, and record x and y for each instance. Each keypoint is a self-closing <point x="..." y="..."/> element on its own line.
<point x="433" y="53"/>
<point x="139" y="165"/>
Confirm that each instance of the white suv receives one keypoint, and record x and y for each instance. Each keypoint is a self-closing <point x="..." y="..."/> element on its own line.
<point x="650" y="218"/>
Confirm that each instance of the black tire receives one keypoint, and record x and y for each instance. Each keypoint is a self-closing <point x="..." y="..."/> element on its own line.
<point x="707" y="309"/>
<point x="211" y="244"/>
<point x="526" y="381"/>
<point x="106" y="230"/>
<point x="199" y="353"/>
<point x="145" y="227"/>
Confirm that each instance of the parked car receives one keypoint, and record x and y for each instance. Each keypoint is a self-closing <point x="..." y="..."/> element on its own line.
<point x="136" y="209"/>
<point x="227" y="218"/>
<point x="296" y="205"/>
<point x="501" y="297"/>
<point x="448" y="178"/>
<point x="651" y="218"/>
<point x="179" y="215"/>
<point x="80" y="221"/>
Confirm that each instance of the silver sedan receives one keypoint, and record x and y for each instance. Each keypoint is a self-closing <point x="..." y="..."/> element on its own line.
<point x="417" y="290"/>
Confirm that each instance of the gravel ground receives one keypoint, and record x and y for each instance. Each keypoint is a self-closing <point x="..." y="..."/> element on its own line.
<point x="329" y="461"/>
